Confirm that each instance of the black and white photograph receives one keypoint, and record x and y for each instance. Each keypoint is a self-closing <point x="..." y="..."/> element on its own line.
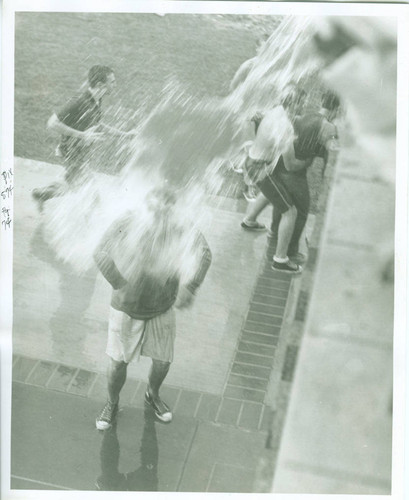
<point x="203" y="248"/>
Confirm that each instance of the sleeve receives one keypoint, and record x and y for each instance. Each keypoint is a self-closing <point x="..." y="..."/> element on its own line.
<point x="103" y="258"/>
<point x="204" y="264"/>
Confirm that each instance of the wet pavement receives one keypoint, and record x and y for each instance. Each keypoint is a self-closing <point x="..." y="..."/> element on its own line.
<point x="230" y="351"/>
<point x="137" y="454"/>
<point x="68" y="319"/>
<point x="239" y="352"/>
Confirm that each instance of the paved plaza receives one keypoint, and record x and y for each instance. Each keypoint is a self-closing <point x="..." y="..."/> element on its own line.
<point x="240" y="350"/>
<point x="220" y="385"/>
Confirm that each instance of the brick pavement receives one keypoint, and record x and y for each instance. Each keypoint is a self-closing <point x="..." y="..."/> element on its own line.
<point x="243" y="407"/>
<point x="243" y="404"/>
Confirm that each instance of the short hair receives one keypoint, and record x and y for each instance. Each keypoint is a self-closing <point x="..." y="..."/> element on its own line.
<point x="98" y="74"/>
<point x="292" y="96"/>
<point x="330" y="100"/>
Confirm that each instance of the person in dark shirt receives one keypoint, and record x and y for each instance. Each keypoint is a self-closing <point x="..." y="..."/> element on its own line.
<point x="315" y="135"/>
<point x="145" y="268"/>
<point x="79" y="123"/>
<point x="293" y="100"/>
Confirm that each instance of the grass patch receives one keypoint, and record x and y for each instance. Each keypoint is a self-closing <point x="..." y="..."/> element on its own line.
<point x="53" y="52"/>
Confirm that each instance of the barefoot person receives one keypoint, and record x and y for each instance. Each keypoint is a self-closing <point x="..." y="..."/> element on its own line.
<point x="145" y="271"/>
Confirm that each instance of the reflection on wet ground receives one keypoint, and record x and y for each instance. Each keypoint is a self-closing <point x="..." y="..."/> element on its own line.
<point x="213" y="444"/>
<point x="138" y="454"/>
<point x="67" y="321"/>
<point x="144" y="477"/>
<point x="75" y="291"/>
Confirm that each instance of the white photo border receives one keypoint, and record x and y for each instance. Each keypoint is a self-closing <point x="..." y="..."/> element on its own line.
<point x="400" y="11"/>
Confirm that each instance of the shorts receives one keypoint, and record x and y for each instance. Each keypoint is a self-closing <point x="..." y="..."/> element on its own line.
<point x="296" y="185"/>
<point x="128" y="337"/>
<point x="276" y="192"/>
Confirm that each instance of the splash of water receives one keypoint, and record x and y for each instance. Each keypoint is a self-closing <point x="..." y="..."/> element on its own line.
<point x="183" y="135"/>
<point x="184" y="141"/>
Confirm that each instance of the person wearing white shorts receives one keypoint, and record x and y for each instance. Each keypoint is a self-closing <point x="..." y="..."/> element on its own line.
<point x="142" y="316"/>
<point x="129" y="338"/>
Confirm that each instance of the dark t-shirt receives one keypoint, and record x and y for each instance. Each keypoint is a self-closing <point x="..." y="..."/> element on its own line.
<point x="80" y="113"/>
<point x="308" y="142"/>
<point x="307" y="128"/>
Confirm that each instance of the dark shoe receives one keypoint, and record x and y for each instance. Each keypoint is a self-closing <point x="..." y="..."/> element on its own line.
<point x="107" y="416"/>
<point x="253" y="226"/>
<point x="287" y="267"/>
<point x="161" y="410"/>
<point x="43" y="194"/>
<point x="38" y="196"/>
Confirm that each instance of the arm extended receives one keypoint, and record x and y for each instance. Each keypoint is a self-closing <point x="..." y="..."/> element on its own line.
<point x="58" y="126"/>
<point x="290" y="161"/>
<point x="117" y="131"/>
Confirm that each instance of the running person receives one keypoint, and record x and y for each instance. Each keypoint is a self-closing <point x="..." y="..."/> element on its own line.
<point x="142" y="317"/>
<point x="79" y="123"/>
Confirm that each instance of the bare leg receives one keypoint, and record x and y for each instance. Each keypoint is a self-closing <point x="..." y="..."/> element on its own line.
<point x="285" y="232"/>
<point x="116" y="379"/>
<point x="256" y="208"/>
<point x="275" y="221"/>
<point x="157" y="375"/>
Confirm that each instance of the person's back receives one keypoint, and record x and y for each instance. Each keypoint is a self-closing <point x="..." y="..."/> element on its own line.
<point x="142" y="321"/>
<point x="309" y="142"/>
<point x="307" y="129"/>
<point x="150" y="296"/>
<point x="148" y="264"/>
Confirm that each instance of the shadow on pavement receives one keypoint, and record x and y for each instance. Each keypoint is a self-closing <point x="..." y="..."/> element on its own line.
<point x="75" y="290"/>
<point x="145" y="477"/>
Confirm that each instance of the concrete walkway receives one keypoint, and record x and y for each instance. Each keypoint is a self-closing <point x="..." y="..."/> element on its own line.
<point x="241" y="352"/>
<point x="338" y="431"/>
